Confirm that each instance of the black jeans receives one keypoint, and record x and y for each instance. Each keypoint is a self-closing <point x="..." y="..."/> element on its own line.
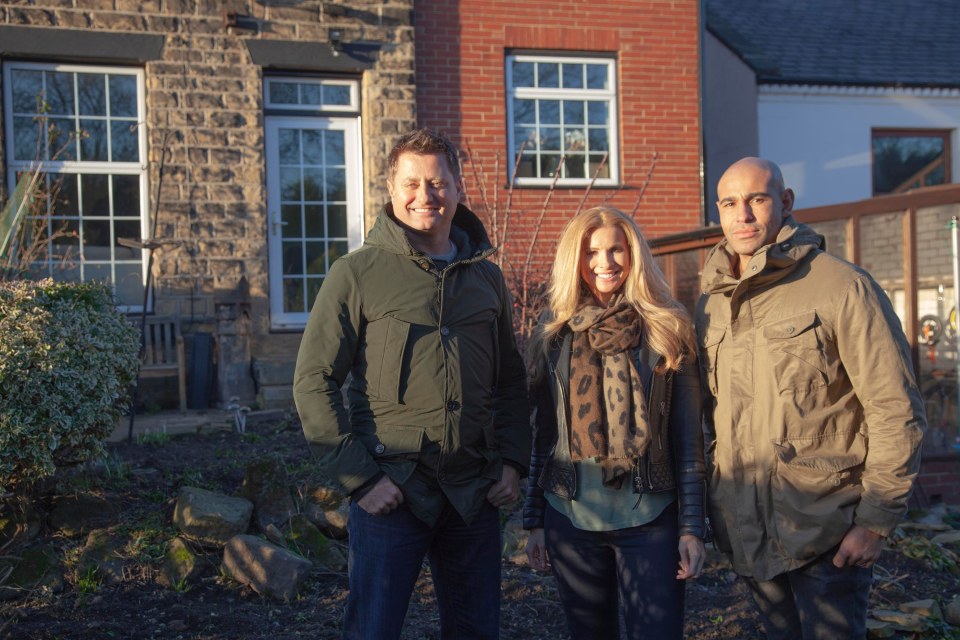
<point x="815" y="602"/>
<point x="597" y="570"/>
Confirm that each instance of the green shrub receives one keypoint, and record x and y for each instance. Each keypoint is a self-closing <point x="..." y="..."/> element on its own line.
<point x="67" y="360"/>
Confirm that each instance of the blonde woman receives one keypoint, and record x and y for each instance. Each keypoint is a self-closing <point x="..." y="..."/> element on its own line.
<point x="615" y="499"/>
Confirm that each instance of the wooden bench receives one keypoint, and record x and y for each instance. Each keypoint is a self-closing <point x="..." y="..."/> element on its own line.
<point x="163" y="352"/>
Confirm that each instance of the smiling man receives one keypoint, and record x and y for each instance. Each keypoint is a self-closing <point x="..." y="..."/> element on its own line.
<point x="812" y="416"/>
<point x="434" y="436"/>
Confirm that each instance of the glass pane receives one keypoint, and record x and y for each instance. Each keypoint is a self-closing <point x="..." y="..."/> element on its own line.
<point x="129" y="285"/>
<point x="336" y="94"/>
<point x="572" y="76"/>
<point x="313" y="288"/>
<point x="293" y="295"/>
<point x="123" y="96"/>
<point x="311" y="94"/>
<point x="337" y="221"/>
<point x="881" y="248"/>
<point x="572" y="112"/>
<point x="316" y="265"/>
<point x="62" y="139"/>
<point x="313" y="219"/>
<point x="59" y="93"/>
<point x="27" y="90"/>
<point x="528" y="166"/>
<point x="130" y="230"/>
<point x="312" y="147"/>
<point x="92" y="94"/>
<point x="548" y="75"/>
<point x="290" y="184"/>
<point x="525" y="138"/>
<point x="597" y="76"/>
<point x="599" y="140"/>
<point x="26" y="135"/>
<point x="63" y="186"/>
<point x="94" y="195"/>
<point x="906" y="162"/>
<point x="336" y="185"/>
<point x="292" y="258"/>
<point x="599" y="162"/>
<point x="65" y="240"/>
<point x="334" y="144"/>
<point x="312" y="185"/>
<point x="522" y="74"/>
<point x="598" y="111"/>
<point x="573" y="166"/>
<point x="574" y="140"/>
<point x="93" y="140"/>
<point x="336" y="250"/>
<point x="549" y="112"/>
<point x="123" y="141"/>
<point x="290" y="214"/>
<point x="548" y="165"/>
<point x="289" y="140"/>
<point x="283" y="92"/>
<point x="524" y="111"/>
<point x="95" y="236"/>
<point x="550" y="138"/>
<point x="126" y="195"/>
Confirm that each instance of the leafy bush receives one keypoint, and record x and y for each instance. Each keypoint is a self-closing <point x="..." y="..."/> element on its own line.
<point x="67" y="360"/>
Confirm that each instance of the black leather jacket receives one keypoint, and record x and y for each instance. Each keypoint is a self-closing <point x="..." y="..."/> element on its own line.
<point x="673" y="462"/>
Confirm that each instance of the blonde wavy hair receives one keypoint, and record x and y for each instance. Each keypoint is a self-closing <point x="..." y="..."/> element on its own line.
<point x="666" y="323"/>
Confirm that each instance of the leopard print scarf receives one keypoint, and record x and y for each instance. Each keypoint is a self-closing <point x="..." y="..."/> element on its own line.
<point x="608" y="412"/>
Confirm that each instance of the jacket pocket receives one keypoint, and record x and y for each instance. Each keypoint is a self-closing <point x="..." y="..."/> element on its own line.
<point x="797" y="357"/>
<point x="396" y="450"/>
<point x="816" y="487"/>
<point x="384" y="382"/>
<point x="710" y="340"/>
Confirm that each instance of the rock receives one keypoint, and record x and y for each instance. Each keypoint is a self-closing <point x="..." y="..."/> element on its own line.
<point x="210" y="518"/>
<point x="308" y="540"/>
<point x="181" y="565"/>
<point x="74" y="515"/>
<point x="515" y="540"/>
<point x="328" y="509"/>
<point x="30" y="569"/>
<point x="926" y="608"/>
<point x="266" y="568"/>
<point x="266" y="485"/>
<point x="878" y="629"/>
<point x="99" y="557"/>
<point x="952" y="613"/>
<point x="925" y="526"/>
<point x="949" y="537"/>
<point x="274" y="535"/>
<point x="902" y="621"/>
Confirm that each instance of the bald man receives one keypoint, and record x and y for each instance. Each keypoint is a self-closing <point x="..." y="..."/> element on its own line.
<point x="813" y="419"/>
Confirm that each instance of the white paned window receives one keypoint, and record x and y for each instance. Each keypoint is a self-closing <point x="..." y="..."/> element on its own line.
<point x="562" y="108"/>
<point x="83" y="125"/>
<point x="309" y="94"/>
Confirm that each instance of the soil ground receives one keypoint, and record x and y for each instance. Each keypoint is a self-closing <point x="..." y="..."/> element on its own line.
<point x="143" y="478"/>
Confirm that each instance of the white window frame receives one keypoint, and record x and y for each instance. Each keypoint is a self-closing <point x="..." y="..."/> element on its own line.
<point x="352" y="85"/>
<point x="608" y="94"/>
<point x="82" y="167"/>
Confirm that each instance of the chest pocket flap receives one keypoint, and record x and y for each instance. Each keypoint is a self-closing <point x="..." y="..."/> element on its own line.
<point x="793" y="327"/>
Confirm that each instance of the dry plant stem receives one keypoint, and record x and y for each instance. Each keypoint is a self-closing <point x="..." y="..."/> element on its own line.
<point x="593" y="181"/>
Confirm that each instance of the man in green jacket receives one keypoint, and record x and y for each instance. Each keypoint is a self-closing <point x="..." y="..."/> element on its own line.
<point x="812" y="414"/>
<point x="434" y="435"/>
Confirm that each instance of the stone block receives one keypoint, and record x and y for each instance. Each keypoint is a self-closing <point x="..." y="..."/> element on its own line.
<point x="266" y="568"/>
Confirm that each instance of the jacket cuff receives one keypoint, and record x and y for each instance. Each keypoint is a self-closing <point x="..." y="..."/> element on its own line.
<point x="880" y="521"/>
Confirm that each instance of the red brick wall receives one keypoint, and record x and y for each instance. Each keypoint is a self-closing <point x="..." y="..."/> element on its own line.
<point x="939" y="481"/>
<point x="460" y="51"/>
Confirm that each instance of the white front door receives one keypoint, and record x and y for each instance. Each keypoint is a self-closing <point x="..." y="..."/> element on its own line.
<point x="314" y="207"/>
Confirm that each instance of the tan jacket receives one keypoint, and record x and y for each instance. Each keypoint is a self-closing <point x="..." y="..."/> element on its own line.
<point x="813" y="418"/>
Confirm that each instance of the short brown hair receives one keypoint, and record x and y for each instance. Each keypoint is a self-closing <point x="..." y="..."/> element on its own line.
<point x="423" y="142"/>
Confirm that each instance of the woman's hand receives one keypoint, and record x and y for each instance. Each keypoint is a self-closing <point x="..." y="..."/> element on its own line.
<point x="537" y="551"/>
<point x="692" y="555"/>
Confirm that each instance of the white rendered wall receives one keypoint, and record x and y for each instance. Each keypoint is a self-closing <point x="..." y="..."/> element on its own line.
<point x="820" y="136"/>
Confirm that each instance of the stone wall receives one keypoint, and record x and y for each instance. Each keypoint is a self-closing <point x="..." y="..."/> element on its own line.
<point x="205" y="124"/>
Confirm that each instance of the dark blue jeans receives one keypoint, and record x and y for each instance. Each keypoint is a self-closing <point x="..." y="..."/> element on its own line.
<point x="815" y="602"/>
<point x="386" y="553"/>
<point x="597" y="570"/>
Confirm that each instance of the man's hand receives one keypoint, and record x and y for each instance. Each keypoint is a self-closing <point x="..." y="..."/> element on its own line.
<point x="692" y="555"/>
<point x="383" y="498"/>
<point x="505" y="492"/>
<point x="860" y="547"/>
<point x="537" y="551"/>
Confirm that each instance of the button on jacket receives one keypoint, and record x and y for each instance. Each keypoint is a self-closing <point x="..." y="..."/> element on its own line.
<point x="437" y="391"/>
<point x="813" y="418"/>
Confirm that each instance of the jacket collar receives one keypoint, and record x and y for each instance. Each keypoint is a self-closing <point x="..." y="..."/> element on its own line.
<point x="467" y="232"/>
<point x="771" y="263"/>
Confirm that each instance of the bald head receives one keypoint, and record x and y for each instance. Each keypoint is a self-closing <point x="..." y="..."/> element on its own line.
<point x="753" y="202"/>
